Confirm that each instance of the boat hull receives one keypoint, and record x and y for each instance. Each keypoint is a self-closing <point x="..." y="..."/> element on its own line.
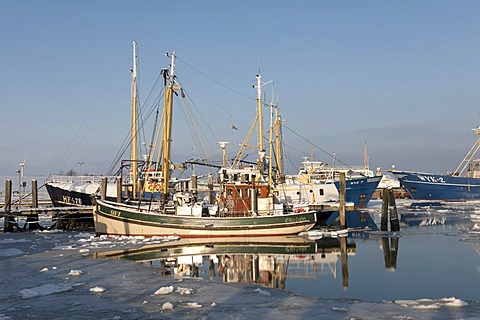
<point x="61" y="196"/>
<point x="118" y="219"/>
<point x="360" y="190"/>
<point x="428" y="186"/>
<point x="71" y="194"/>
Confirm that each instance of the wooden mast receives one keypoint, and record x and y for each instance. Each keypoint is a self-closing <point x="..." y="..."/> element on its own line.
<point x="134" y="125"/>
<point x="278" y="143"/>
<point x="259" y="112"/>
<point x="167" y="127"/>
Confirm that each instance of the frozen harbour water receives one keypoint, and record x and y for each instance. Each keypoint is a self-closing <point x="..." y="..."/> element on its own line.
<point x="52" y="275"/>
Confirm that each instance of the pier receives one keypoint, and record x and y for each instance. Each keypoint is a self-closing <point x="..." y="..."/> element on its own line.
<point x="66" y="218"/>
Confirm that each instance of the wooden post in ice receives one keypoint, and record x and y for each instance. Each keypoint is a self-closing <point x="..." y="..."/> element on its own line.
<point x="341" y="208"/>
<point x="394" y="223"/>
<point x="389" y="211"/>
<point x="103" y="188"/>
<point x="119" y="189"/>
<point x="34" y="194"/>
<point x="32" y="219"/>
<point x="7" y="225"/>
<point x="384" y="219"/>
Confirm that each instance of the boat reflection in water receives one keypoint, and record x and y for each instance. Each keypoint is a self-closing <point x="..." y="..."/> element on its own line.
<point x="269" y="262"/>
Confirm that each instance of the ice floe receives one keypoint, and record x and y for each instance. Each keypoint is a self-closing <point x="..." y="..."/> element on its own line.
<point x="46" y="289"/>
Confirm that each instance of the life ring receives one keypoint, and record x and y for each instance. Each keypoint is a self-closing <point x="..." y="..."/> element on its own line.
<point x="298" y="210"/>
<point x="150" y="187"/>
<point x="157" y="187"/>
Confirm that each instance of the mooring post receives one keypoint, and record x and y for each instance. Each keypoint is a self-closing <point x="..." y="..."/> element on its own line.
<point x="211" y="196"/>
<point x="32" y="219"/>
<point x="34" y="194"/>
<point x="384" y="219"/>
<point x="341" y="208"/>
<point x="119" y="189"/>
<point x="103" y="188"/>
<point x="8" y="221"/>
<point x="394" y="222"/>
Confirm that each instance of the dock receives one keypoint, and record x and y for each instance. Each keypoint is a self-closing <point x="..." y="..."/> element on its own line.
<point x="65" y="218"/>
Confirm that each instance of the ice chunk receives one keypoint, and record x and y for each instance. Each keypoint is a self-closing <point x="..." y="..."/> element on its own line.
<point x="184" y="290"/>
<point x="97" y="289"/>
<point x="164" y="290"/>
<point x="167" y="306"/>
<point x="194" y="305"/>
<point x="263" y="292"/>
<point x="75" y="273"/>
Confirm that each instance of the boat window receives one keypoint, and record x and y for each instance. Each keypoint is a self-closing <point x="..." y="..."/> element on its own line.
<point x="229" y="192"/>
<point x="321" y="192"/>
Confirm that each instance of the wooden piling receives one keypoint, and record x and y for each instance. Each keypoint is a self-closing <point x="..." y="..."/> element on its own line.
<point x="389" y="211"/>
<point x="32" y="219"/>
<point x="8" y="220"/>
<point x="341" y="207"/>
<point x="394" y="222"/>
<point x="211" y="196"/>
<point x="34" y="194"/>
<point x="119" y="189"/>
<point x="103" y="188"/>
<point x="384" y="218"/>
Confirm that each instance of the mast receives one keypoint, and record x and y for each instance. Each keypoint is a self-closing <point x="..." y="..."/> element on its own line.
<point x="167" y="126"/>
<point x="278" y="142"/>
<point x="259" y="112"/>
<point x="270" y="152"/>
<point x="223" y="145"/>
<point x="366" y="164"/>
<point x="134" y="128"/>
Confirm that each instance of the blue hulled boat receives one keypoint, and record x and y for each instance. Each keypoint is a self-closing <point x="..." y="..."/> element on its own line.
<point x="463" y="184"/>
<point x="360" y="190"/>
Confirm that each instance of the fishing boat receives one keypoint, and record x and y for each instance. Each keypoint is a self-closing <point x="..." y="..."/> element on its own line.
<point x="461" y="185"/>
<point x="244" y="208"/>
<point x="72" y="191"/>
<point x="317" y="183"/>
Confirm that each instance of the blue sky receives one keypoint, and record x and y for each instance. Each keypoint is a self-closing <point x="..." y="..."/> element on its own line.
<point x="401" y="76"/>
